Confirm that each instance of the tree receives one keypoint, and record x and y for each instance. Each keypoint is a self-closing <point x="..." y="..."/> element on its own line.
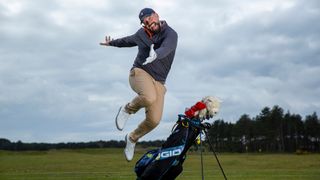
<point x="311" y="127"/>
<point x="217" y="133"/>
<point x="5" y="144"/>
<point x="276" y="125"/>
<point x="244" y="132"/>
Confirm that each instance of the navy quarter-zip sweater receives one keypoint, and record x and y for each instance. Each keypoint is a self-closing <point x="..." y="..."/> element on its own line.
<point x="165" y="44"/>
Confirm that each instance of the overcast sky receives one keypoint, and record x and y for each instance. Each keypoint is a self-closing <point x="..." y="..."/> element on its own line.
<point x="58" y="85"/>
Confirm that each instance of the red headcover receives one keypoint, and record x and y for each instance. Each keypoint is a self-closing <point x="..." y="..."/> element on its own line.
<point x="190" y="113"/>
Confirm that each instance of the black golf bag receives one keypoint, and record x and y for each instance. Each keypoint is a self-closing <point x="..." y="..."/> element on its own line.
<point x="166" y="162"/>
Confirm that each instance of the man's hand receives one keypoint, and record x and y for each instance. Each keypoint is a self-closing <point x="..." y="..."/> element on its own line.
<point x="107" y="41"/>
<point x="152" y="55"/>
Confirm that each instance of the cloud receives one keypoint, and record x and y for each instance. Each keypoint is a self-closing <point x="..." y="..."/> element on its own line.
<point x="57" y="84"/>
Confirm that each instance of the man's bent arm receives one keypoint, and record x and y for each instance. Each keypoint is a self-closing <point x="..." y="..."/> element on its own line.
<point x="167" y="46"/>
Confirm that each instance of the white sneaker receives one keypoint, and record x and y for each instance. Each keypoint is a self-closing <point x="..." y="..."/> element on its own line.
<point x="121" y="118"/>
<point x="129" y="149"/>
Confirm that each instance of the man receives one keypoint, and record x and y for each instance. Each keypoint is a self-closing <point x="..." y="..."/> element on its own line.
<point x="157" y="44"/>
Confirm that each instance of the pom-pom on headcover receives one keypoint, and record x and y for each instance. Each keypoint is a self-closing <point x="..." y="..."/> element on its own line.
<point x="212" y="107"/>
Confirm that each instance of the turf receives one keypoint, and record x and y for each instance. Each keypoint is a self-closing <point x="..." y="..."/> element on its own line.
<point x="110" y="164"/>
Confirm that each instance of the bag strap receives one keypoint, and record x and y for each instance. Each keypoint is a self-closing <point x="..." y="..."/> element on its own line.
<point x="185" y="121"/>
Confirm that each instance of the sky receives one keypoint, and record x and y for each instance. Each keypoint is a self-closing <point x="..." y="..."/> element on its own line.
<point x="57" y="84"/>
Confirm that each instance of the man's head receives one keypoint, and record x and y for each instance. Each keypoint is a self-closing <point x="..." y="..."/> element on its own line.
<point x="150" y="19"/>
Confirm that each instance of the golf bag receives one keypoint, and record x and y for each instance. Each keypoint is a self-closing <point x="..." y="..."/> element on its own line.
<point x="166" y="162"/>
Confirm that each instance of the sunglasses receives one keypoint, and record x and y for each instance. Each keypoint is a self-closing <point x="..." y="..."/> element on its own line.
<point x="146" y="21"/>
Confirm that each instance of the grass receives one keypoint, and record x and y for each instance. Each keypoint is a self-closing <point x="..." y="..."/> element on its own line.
<point x="110" y="164"/>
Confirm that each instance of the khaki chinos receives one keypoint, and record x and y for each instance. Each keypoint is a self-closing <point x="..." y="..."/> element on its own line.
<point x="150" y="96"/>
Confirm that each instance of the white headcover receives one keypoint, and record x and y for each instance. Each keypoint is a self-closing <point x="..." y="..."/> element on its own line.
<point x="212" y="107"/>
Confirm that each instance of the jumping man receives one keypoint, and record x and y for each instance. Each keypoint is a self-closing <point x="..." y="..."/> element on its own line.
<point x="157" y="43"/>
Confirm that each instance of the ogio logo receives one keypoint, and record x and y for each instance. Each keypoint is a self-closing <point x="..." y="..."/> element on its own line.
<point x="166" y="154"/>
<point x="170" y="152"/>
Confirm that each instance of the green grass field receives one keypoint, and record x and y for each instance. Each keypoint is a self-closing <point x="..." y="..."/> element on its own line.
<point x="110" y="164"/>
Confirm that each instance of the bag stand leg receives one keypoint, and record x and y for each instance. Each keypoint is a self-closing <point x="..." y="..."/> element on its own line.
<point x="202" y="175"/>
<point x="214" y="153"/>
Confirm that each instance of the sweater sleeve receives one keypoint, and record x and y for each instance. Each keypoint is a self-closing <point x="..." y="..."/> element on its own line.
<point x="168" y="45"/>
<point x="128" y="41"/>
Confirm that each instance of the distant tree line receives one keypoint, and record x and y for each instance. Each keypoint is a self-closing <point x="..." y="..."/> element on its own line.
<point x="6" y="144"/>
<point x="270" y="131"/>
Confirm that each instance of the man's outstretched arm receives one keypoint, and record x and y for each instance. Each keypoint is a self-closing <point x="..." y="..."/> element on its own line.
<point x="128" y="41"/>
<point x="107" y="41"/>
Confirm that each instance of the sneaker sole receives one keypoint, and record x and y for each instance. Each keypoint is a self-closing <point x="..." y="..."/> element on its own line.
<point x="124" y="153"/>
<point x="120" y="129"/>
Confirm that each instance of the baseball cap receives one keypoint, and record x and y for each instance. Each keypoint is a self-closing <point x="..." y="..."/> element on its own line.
<point x="145" y="12"/>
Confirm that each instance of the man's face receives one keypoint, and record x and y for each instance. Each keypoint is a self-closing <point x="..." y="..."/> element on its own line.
<point x="152" y="22"/>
